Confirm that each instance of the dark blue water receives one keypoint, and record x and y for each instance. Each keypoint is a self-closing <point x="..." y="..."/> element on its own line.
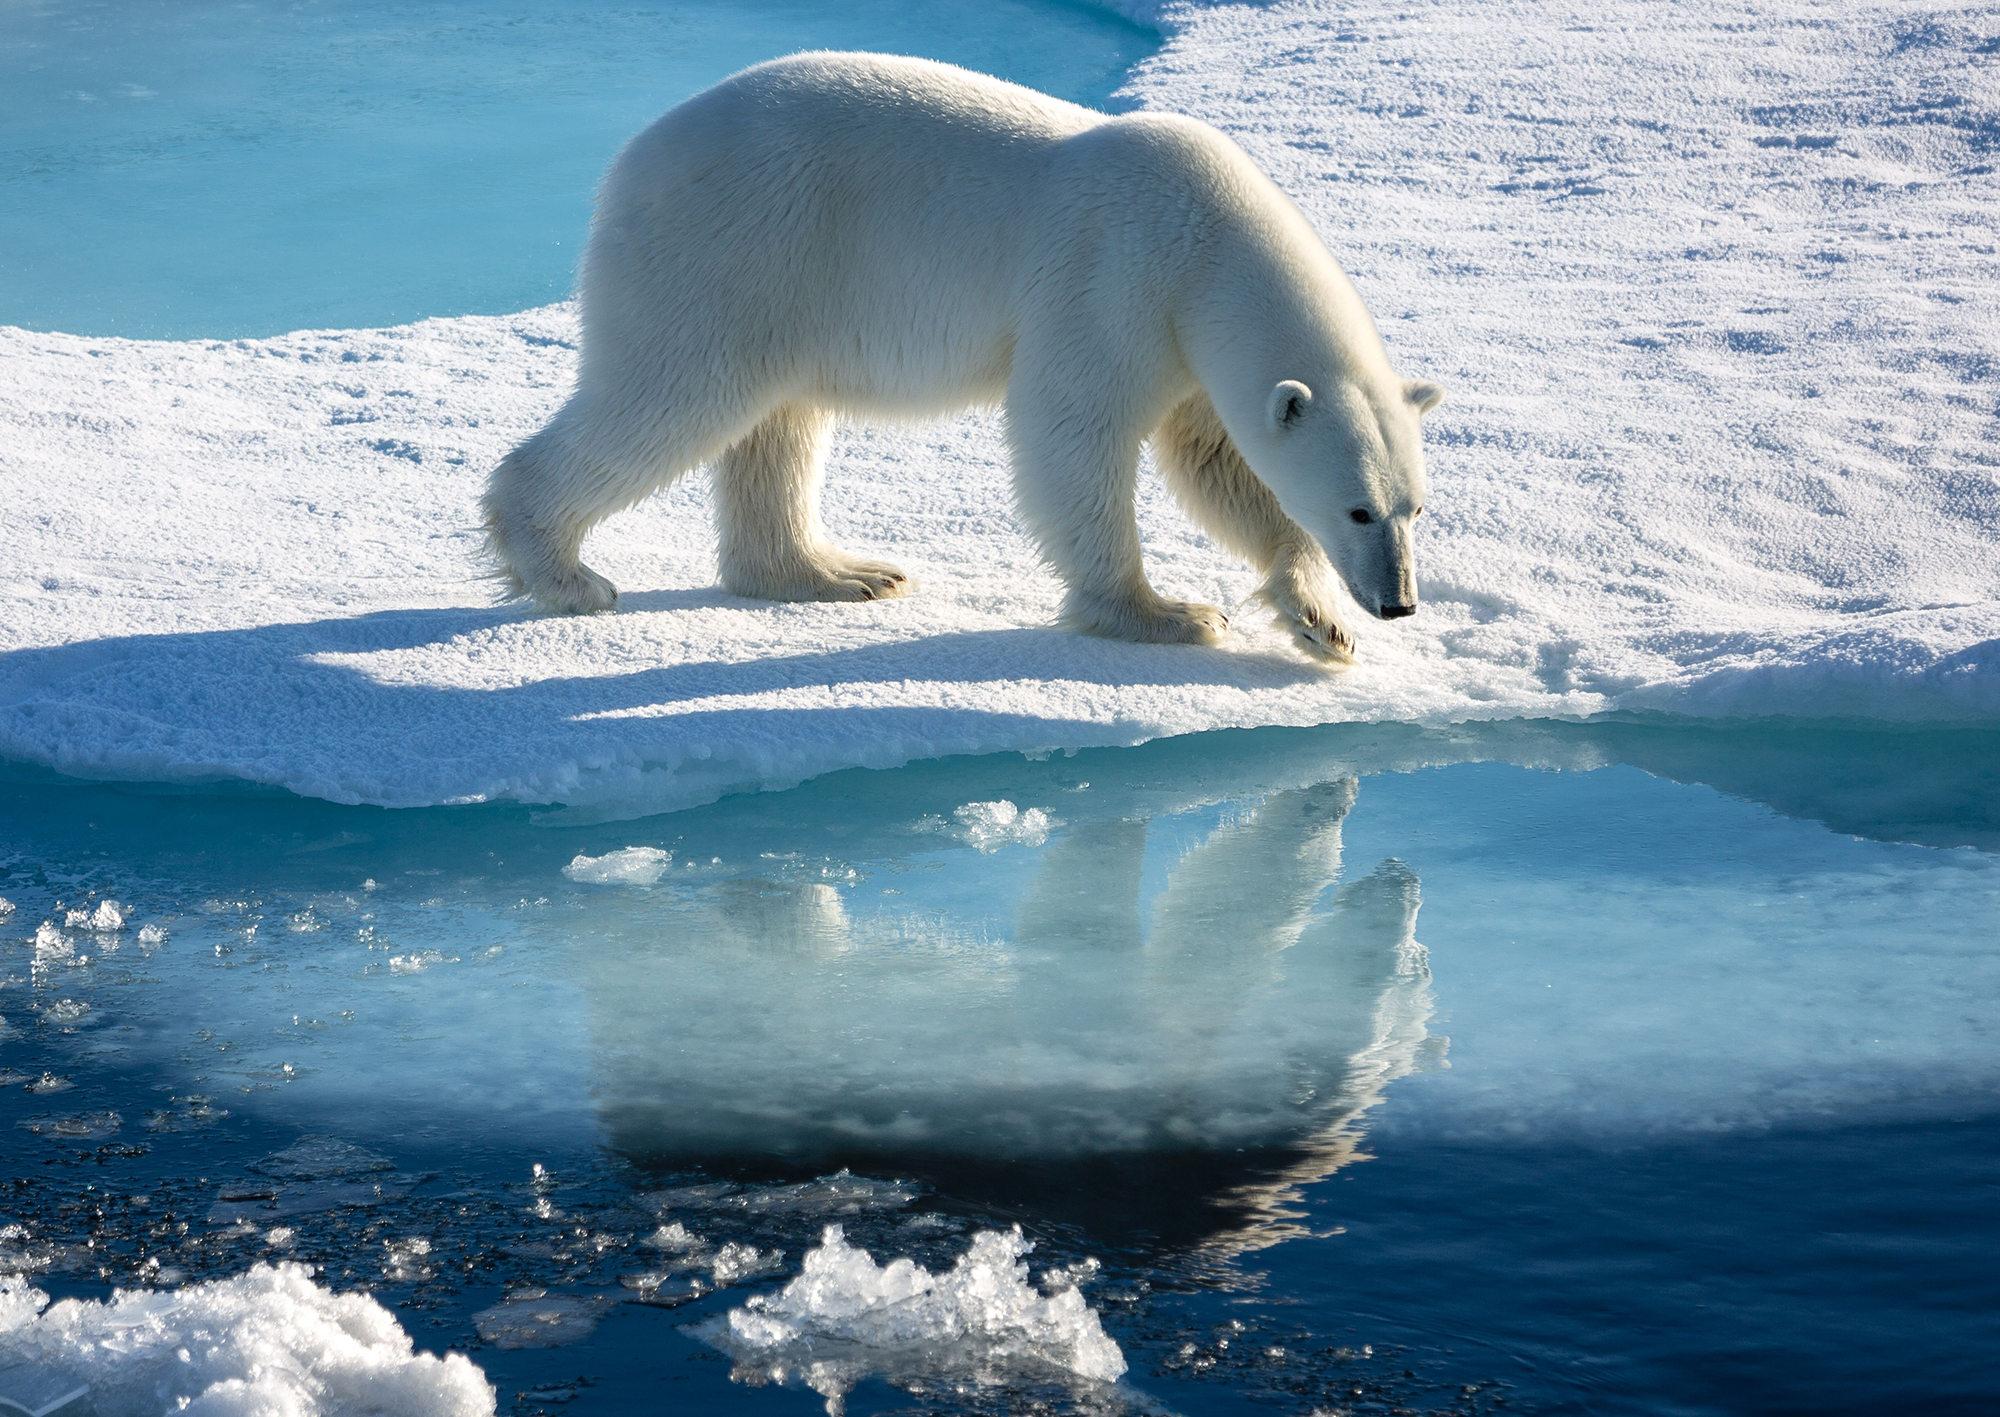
<point x="1614" y="1068"/>
<point x="180" y="168"/>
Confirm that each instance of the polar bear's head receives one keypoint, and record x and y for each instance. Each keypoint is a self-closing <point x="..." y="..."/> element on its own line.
<point x="1347" y="464"/>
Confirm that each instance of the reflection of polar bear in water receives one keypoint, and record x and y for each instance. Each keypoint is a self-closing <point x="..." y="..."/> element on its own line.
<point x="854" y="234"/>
<point x="1228" y="1027"/>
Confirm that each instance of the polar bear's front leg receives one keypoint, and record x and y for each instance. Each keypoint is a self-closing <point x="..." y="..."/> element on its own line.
<point x="770" y="545"/>
<point x="1299" y="586"/>
<point x="1209" y="478"/>
<point x="1075" y="476"/>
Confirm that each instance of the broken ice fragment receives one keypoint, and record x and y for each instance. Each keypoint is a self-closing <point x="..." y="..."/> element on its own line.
<point x="845" y="1317"/>
<point x="314" y="1173"/>
<point x="535" y="1319"/>
<point x="736" y="1262"/>
<point x="632" y="866"/>
<point x="992" y="825"/>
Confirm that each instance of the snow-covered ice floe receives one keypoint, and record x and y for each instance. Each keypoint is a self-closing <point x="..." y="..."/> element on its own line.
<point x="267" y="1341"/>
<point x="1711" y="288"/>
<point x="845" y="1318"/>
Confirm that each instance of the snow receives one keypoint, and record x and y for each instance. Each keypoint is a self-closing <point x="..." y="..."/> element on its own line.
<point x="268" y="1341"/>
<point x="1711" y="288"/>
<point x="845" y="1317"/>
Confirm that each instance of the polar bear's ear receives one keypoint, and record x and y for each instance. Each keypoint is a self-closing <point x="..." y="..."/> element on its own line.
<point x="1288" y="404"/>
<point x="1424" y="394"/>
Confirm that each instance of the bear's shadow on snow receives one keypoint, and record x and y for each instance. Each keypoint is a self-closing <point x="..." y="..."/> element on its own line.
<point x="260" y="676"/>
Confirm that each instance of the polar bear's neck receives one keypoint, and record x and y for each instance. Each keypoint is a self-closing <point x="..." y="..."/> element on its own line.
<point x="1263" y="299"/>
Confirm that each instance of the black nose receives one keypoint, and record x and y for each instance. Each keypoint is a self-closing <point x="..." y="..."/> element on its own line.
<point x="1396" y="612"/>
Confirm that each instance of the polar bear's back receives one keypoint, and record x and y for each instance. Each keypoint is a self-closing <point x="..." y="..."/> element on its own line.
<point x="828" y="88"/>
<point x="890" y="125"/>
<point x="875" y="214"/>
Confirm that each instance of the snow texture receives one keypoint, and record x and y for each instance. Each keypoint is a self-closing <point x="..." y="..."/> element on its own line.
<point x="266" y="1342"/>
<point x="1711" y="286"/>
<point x="845" y="1318"/>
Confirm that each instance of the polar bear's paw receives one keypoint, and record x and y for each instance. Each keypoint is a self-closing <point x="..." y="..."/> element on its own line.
<point x="576" y="592"/>
<point x="1302" y="594"/>
<point x="846" y="578"/>
<point x="1319" y="634"/>
<point x="829" y="575"/>
<point x="1153" y="621"/>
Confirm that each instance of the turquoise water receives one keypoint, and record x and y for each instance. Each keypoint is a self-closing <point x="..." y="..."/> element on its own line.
<point x="174" y="170"/>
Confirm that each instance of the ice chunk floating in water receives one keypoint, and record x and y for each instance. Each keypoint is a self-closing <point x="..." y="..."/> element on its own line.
<point x="268" y="1341"/>
<point x="632" y="866"/>
<point x="846" y="1317"/>
<point x="992" y="825"/>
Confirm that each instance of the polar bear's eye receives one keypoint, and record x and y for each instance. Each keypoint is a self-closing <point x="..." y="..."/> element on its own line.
<point x="1360" y="516"/>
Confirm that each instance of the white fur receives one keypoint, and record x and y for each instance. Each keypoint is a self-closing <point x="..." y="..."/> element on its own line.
<point x="852" y="234"/>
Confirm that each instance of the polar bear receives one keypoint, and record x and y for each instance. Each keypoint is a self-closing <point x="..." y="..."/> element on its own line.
<point x="858" y="235"/>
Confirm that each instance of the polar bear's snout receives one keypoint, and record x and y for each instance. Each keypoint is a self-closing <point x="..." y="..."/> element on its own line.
<point x="1401" y="599"/>
<point x="1378" y="561"/>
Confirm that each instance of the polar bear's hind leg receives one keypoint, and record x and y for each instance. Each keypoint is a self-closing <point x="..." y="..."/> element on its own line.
<point x="535" y="542"/>
<point x="770" y="543"/>
<point x="591" y="461"/>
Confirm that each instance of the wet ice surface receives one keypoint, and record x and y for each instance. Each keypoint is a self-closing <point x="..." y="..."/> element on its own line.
<point x="1349" y="1069"/>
